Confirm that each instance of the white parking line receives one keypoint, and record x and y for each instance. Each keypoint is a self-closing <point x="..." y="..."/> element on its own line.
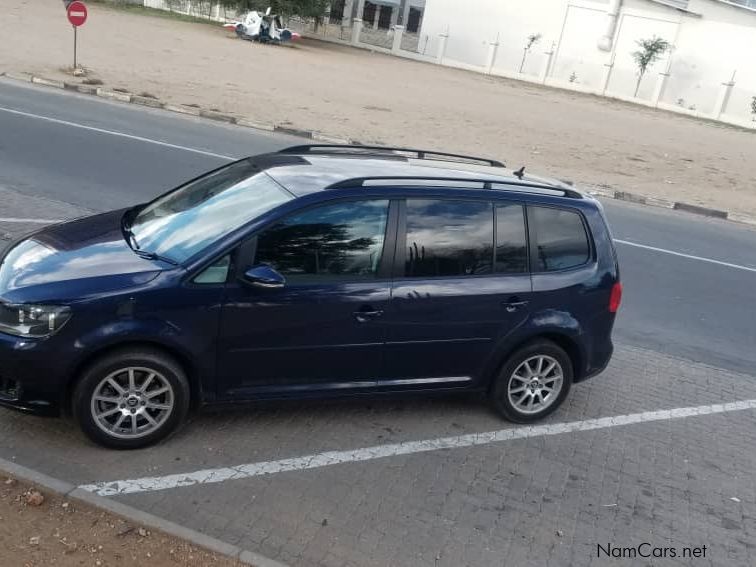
<point x="114" y="133"/>
<point x="689" y="256"/>
<point x="211" y="476"/>
<point x="29" y="221"/>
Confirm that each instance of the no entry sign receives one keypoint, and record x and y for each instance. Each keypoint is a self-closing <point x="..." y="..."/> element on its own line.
<point x="77" y="14"/>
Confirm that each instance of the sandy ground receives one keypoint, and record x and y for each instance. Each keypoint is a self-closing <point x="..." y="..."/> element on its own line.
<point x="375" y="98"/>
<point x="39" y="530"/>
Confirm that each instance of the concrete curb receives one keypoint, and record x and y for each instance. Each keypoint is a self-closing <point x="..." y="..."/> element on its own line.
<point x="147" y="101"/>
<point x="181" y="109"/>
<point x="216" y="115"/>
<point x="68" y="490"/>
<point x="665" y="204"/>
<point x="597" y="191"/>
<point x="48" y="82"/>
<point x="26" y="77"/>
<point x="114" y="95"/>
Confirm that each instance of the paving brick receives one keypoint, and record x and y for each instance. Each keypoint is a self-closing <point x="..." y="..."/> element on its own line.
<point x="538" y="501"/>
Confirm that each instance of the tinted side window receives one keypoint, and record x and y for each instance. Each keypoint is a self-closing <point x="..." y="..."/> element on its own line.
<point x="448" y="238"/>
<point x="343" y="240"/>
<point x="511" y="242"/>
<point x="561" y="239"/>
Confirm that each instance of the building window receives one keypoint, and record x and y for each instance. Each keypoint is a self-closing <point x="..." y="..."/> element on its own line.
<point x="414" y="20"/>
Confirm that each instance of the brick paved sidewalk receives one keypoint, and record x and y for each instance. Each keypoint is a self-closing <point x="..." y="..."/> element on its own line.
<point x="537" y="501"/>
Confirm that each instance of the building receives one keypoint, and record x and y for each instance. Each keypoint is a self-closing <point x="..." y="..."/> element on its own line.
<point x="588" y="45"/>
<point x="379" y="14"/>
<point x="582" y="45"/>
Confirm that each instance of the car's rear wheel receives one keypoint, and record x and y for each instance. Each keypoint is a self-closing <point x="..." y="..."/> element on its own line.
<point x="131" y="398"/>
<point x="533" y="382"/>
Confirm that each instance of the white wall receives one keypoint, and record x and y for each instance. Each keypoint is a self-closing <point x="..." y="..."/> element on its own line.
<point x="708" y="48"/>
<point x="576" y="53"/>
<point x="633" y="26"/>
<point x="711" y="43"/>
<point x="477" y="23"/>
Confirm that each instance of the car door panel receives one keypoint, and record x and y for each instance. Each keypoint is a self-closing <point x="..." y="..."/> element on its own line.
<point x="447" y="328"/>
<point x="302" y="334"/>
<point x="325" y="328"/>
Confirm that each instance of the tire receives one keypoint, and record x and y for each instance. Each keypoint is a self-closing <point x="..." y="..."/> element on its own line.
<point x="142" y="386"/>
<point x="511" y="394"/>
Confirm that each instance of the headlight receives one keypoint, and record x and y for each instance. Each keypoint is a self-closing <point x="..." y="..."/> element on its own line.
<point x="32" y="320"/>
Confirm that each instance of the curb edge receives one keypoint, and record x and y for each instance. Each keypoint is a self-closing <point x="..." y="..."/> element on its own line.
<point x="134" y="515"/>
<point x="658" y="202"/>
<point x="597" y="191"/>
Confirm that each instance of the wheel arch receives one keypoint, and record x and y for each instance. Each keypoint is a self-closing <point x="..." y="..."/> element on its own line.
<point x="569" y="344"/>
<point x="187" y="365"/>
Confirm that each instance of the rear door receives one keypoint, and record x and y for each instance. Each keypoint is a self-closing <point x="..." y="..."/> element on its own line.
<point x="566" y="277"/>
<point x="461" y="281"/>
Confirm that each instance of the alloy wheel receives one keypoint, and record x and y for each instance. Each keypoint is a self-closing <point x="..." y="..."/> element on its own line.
<point x="132" y="402"/>
<point x="535" y="384"/>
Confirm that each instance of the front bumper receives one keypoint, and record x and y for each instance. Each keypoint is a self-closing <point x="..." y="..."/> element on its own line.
<point x="31" y="377"/>
<point x="42" y="408"/>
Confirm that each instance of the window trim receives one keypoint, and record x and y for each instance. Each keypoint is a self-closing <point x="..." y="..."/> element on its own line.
<point x="383" y="273"/>
<point x="524" y="211"/>
<point x="533" y="240"/>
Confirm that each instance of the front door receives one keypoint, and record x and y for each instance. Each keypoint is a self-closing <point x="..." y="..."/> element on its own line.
<point x="455" y="294"/>
<point x="324" y="329"/>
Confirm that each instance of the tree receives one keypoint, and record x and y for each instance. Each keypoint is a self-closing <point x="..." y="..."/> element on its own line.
<point x="532" y="40"/>
<point x="753" y="107"/>
<point x="304" y="8"/>
<point x="649" y="53"/>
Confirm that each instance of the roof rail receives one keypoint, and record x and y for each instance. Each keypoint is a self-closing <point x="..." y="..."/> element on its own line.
<point x="512" y="185"/>
<point x="358" y="149"/>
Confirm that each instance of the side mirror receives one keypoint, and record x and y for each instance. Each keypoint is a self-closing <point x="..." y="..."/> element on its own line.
<point x="263" y="276"/>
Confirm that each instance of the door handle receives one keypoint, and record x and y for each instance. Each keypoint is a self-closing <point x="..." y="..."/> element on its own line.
<point x="367" y="314"/>
<point x="512" y="306"/>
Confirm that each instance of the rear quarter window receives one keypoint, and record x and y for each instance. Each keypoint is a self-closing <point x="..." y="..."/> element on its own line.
<point x="560" y="239"/>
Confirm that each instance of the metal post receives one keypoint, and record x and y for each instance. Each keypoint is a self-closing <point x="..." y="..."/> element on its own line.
<point x="720" y="106"/>
<point x="547" y="64"/>
<point x="493" y="48"/>
<point x="607" y="74"/>
<point x="74" y="27"/>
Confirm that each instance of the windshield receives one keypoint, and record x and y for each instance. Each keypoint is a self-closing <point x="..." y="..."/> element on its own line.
<point x="187" y="220"/>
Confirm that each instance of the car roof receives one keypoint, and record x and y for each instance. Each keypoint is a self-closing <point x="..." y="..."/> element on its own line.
<point x="304" y="172"/>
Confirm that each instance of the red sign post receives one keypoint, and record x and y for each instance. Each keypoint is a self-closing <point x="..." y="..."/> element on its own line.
<point x="77" y="15"/>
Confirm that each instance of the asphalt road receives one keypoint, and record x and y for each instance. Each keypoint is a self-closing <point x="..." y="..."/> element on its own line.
<point x="64" y="147"/>
<point x="423" y="482"/>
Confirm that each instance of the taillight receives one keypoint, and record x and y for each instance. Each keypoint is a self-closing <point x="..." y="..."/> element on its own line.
<point x="615" y="298"/>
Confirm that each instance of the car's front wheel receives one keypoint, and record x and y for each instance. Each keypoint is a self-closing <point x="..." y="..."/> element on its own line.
<point x="533" y="383"/>
<point x="131" y="398"/>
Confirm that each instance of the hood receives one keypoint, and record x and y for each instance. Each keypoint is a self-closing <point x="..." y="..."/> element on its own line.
<point x="73" y="260"/>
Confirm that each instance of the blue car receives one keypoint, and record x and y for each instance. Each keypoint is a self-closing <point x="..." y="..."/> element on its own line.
<point x="317" y="271"/>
